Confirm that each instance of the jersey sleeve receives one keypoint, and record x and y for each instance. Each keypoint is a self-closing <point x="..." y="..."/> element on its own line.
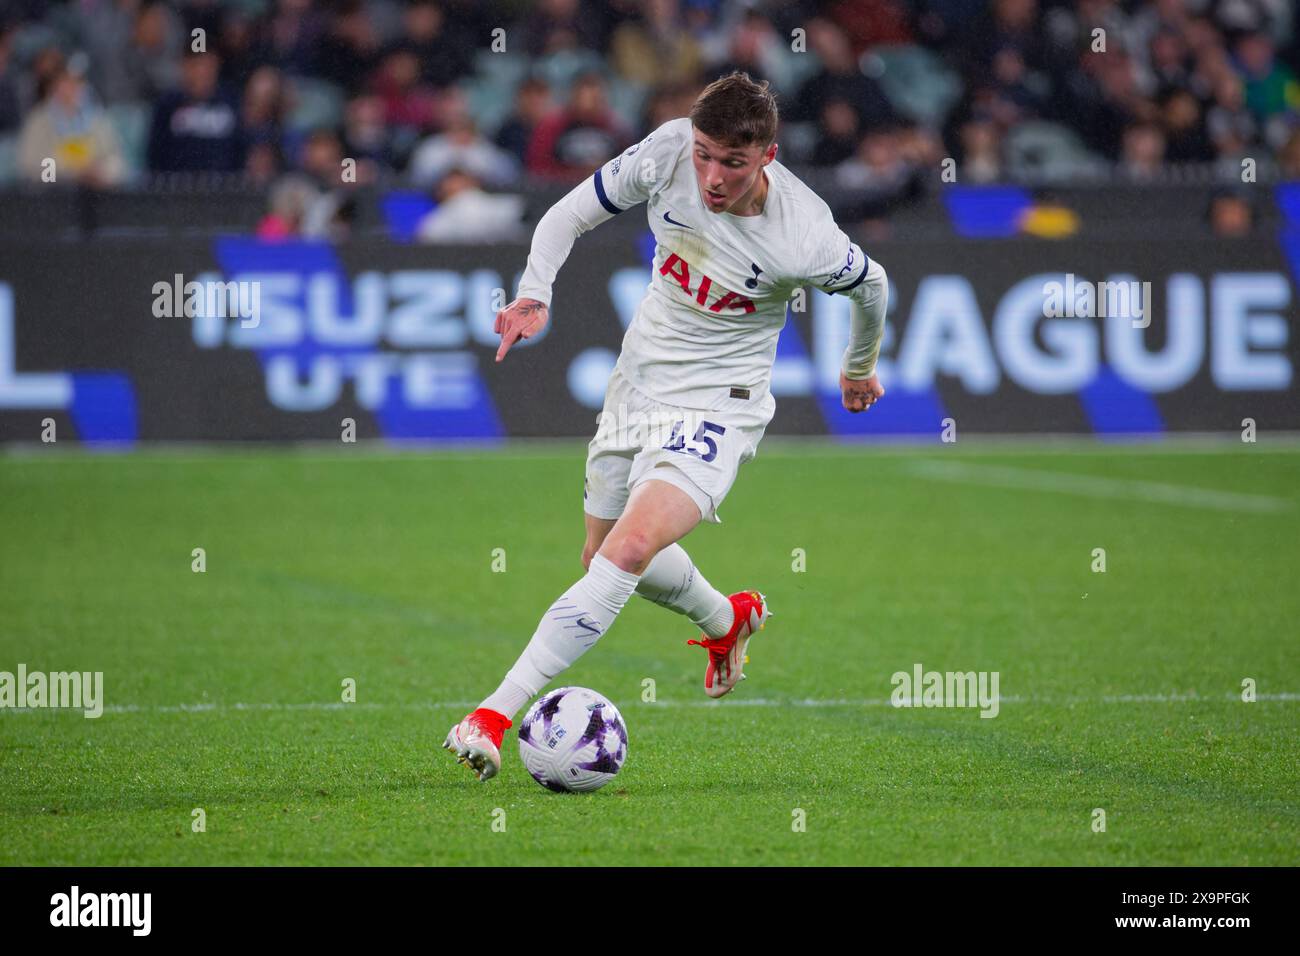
<point x="838" y="266"/>
<point x="631" y="177"/>
<point x="578" y="212"/>
<point x="641" y="170"/>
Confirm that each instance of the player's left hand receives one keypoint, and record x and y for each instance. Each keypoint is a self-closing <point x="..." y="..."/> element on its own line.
<point x="859" y="395"/>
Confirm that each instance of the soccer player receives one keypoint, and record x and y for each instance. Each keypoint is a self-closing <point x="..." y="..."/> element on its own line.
<point x="736" y="234"/>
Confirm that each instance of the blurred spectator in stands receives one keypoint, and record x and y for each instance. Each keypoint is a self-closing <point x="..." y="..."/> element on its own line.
<point x="1231" y="215"/>
<point x="668" y="103"/>
<point x="940" y="24"/>
<point x="532" y="103"/>
<point x="656" y="48"/>
<point x="919" y="146"/>
<point x="443" y="55"/>
<point x="1160" y="16"/>
<point x="349" y="48"/>
<point x="10" y="107"/>
<point x="879" y="173"/>
<point x="1202" y="36"/>
<point x="135" y="49"/>
<point x="573" y="142"/>
<point x="1271" y="89"/>
<point x="754" y="48"/>
<point x="874" y="183"/>
<point x="467" y="214"/>
<point x="1231" y="126"/>
<point x="839" y="133"/>
<point x="1289" y="158"/>
<point x="1104" y="100"/>
<point x="1185" y="129"/>
<point x="472" y="21"/>
<point x="839" y="79"/>
<point x="981" y="152"/>
<point x="290" y="198"/>
<point x="322" y="158"/>
<point x="701" y="17"/>
<point x="411" y="107"/>
<point x="564" y="25"/>
<point x="869" y="23"/>
<point x="1142" y="155"/>
<point x="461" y="145"/>
<point x="1011" y="28"/>
<point x="48" y="63"/>
<point x="1267" y="81"/>
<point x="1211" y="60"/>
<point x="263" y="162"/>
<point x="299" y="209"/>
<point x="72" y="129"/>
<point x="367" y="138"/>
<point x="288" y="38"/>
<point x="332" y="217"/>
<point x="239" y="43"/>
<point x="196" y="128"/>
<point x="265" y="106"/>
<point x="1170" y="64"/>
<point x="263" y="114"/>
<point x="1011" y="91"/>
<point x="1216" y="72"/>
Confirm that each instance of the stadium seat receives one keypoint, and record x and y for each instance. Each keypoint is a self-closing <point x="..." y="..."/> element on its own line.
<point x="316" y="103"/>
<point x="491" y="100"/>
<point x="917" y="83"/>
<point x="560" y="69"/>
<point x="798" y="140"/>
<point x="131" y="123"/>
<point x="8" y="159"/>
<point x="506" y="67"/>
<point x="627" y="100"/>
<point x="1049" y="150"/>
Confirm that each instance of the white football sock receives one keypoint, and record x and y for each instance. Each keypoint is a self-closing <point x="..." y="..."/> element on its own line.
<point x="672" y="581"/>
<point x="567" y="630"/>
<point x="507" y="699"/>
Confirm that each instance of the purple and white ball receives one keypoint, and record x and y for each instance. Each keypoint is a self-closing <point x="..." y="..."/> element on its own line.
<point x="573" y="739"/>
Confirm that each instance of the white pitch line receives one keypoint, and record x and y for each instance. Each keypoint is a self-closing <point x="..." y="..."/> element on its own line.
<point x="807" y="702"/>
<point x="1094" y="486"/>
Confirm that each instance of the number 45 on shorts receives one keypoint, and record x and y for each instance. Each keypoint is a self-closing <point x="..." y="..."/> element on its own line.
<point x="703" y="437"/>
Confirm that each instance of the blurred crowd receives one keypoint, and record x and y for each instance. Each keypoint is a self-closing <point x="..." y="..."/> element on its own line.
<point x="464" y="98"/>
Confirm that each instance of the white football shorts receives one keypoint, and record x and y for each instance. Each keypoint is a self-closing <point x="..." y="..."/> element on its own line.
<point x="638" y="439"/>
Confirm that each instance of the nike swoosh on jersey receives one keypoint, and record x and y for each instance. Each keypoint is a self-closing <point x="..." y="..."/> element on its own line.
<point x="669" y="219"/>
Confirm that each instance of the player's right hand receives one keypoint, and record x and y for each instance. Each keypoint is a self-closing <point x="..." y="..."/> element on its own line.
<point x="521" y="319"/>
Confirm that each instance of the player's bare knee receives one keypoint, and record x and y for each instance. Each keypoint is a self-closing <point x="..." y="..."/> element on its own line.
<point x="631" y="551"/>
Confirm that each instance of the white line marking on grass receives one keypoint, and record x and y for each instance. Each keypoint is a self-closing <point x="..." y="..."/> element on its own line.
<point x="380" y="449"/>
<point x="815" y="703"/>
<point x="1095" y="486"/>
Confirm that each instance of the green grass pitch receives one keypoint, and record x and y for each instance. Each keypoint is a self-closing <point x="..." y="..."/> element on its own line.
<point x="1121" y="690"/>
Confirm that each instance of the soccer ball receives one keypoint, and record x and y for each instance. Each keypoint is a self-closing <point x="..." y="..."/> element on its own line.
<point x="573" y="739"/>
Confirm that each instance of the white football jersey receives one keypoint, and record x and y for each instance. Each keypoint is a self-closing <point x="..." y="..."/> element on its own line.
<point x="707" y="329"/>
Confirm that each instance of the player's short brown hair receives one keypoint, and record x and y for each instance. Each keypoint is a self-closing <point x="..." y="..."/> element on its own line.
<point x="736" y="111"/>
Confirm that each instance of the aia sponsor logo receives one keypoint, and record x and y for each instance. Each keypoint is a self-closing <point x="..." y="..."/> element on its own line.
<point x="678" y="269"/>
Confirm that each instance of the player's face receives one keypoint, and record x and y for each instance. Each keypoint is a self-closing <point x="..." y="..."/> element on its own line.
<point x="728" y="176"/>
